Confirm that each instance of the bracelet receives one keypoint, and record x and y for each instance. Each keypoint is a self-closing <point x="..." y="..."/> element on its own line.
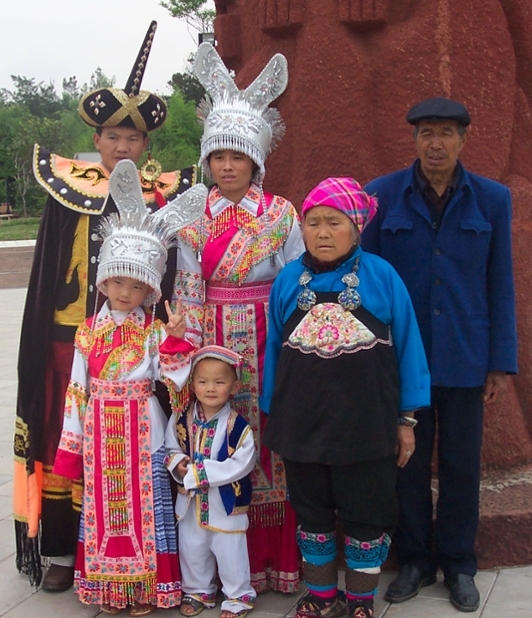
<point x="407" y="421"/>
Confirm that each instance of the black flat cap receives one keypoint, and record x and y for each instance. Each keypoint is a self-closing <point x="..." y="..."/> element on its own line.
<point x="439" y="108"/>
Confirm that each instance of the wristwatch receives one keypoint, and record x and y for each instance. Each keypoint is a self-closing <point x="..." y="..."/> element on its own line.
<point x="407" y="421"/>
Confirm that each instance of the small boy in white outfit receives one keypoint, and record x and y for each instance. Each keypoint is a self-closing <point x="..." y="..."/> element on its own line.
<point x="211" y="453"/>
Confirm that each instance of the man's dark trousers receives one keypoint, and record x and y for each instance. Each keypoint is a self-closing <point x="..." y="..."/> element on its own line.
<point x="456" y="414"/>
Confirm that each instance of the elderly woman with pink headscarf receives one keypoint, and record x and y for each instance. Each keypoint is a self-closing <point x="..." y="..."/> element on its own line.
<point x="344" y="372"/>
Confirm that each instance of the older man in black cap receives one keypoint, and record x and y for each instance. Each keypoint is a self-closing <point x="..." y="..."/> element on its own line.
<point x="447" y="232"/>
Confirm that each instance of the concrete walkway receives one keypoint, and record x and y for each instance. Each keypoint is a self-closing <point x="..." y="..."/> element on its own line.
<point x="504" y="592"/>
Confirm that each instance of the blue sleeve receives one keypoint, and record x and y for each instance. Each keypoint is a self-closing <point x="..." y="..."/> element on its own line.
<point x="501" y="295"/>
<point x="414" y="373"/>
<point x="412" y="361"/>
<point x="273" y="344"/>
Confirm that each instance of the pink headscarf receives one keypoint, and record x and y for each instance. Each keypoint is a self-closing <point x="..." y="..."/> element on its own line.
<point x="347" y="196"/>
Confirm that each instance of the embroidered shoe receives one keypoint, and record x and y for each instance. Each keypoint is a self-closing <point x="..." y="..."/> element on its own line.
<point x="311" y="606"/>
<point x="360" y="608"/>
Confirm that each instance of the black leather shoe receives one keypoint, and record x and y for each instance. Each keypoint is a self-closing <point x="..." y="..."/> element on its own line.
<point x="464" y="594"/>
<point x="408" y="583"/>
<point x="58" y="578"/>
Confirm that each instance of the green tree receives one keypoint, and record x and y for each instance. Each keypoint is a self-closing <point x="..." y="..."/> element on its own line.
<point x="71" y="90"/>
<point x="100" y="80"/>
<point x="8" y="116"/>
<point x="188" y="85"/>
<point x="176" y="143"/>
<point x="40" y="99"/>
<point x="30" y="129"/>
<point x="33" y="114"/>
<point x="194" y="12"/>
<point x="17" y="125"/>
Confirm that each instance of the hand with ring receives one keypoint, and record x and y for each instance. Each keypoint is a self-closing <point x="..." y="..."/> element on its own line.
<point x="406" y="442"/>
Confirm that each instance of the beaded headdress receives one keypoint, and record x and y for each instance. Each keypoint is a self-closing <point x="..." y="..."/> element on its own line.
<point x="236" y="119"/>
<point x="219" y="353"/>
<point x="128" y="107"/>
<point x="135" y="242"/>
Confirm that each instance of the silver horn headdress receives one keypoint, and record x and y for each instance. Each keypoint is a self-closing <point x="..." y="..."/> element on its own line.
<point x="135" y="242"/>
<point x="236" y="119"/>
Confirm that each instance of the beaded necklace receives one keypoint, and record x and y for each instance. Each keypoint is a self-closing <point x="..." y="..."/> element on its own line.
<point x="348" y="298"/>
<point x="234" y="214"/>
<point x="261" y="230"/>
<point x="131" y="332"/>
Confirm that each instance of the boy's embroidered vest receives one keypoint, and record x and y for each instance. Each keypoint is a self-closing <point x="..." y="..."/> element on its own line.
<point x="236" y="496"/>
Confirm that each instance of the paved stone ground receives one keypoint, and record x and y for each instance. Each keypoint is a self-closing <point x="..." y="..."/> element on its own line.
<point x="504" y="592"/>
<point x="15" y="263"/>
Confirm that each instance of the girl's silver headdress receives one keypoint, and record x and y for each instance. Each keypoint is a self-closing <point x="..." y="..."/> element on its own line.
<point x="135" y="242"/>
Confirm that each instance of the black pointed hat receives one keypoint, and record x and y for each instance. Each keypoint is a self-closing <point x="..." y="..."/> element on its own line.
<point x="130" y="106"/>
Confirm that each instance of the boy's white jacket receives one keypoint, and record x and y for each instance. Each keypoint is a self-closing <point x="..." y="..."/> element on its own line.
<point x="234" y="468"/>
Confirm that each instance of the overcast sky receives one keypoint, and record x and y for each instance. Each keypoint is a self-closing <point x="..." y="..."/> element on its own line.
<point x="53" y="39"/>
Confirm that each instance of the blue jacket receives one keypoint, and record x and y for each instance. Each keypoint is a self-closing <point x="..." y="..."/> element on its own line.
<point x="383" y="294"/>
<point x="460" y="277"/>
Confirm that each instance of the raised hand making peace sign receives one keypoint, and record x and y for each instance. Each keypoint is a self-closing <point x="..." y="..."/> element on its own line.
<point x="176" y="321"/>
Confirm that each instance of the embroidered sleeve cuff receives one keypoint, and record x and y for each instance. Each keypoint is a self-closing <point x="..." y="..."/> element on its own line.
<point x="196" y="478"/>
<point x="170" y="461"/>
<point x="172" y="346"/>
<point x="76" y="393"/>
<point x="68" y="464"/>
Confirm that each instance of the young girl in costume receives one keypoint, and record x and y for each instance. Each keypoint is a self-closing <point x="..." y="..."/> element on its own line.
<point x="211" y="455"/>
<point x="113" y="429"/>
<point x="226" y="265"/>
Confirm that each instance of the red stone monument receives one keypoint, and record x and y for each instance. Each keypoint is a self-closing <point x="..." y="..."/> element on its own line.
<point x="356" y="67"/>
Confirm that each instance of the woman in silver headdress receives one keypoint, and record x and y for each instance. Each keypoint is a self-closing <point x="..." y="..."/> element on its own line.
<point x="230" y="258"/>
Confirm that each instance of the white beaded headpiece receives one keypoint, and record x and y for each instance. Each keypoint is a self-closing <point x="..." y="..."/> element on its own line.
<point x="236" y="119"/>
<point x="135" y="242"/>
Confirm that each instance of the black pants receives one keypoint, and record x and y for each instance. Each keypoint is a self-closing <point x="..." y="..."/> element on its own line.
<point x="362" y="496"/>
<point x="457" y="413"/>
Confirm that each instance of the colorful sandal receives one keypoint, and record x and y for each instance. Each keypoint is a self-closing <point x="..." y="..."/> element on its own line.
<point x="227" y="614"/>
<point x="360" y="608"/>
<point x="190" y="601"/>
<point x="312" y="606"/>
<point x="139" y="609"/>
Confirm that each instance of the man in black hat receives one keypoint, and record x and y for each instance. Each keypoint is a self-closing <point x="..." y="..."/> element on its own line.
<point x="447" y="232"/>
<point x="61" y="294"/>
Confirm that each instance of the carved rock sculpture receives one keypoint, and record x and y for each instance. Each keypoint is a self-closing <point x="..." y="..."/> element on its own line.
<point x="356" y="67"/>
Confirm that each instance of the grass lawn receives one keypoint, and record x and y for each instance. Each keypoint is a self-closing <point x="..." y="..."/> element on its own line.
<point x="19" y="229"/>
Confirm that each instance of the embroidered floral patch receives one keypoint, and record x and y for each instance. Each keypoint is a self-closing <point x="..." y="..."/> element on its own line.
<point x="329" y="330"/>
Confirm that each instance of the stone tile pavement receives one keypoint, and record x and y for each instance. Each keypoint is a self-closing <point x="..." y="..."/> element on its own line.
<point x="504" y="592"/>
<point x="16" y="257"/>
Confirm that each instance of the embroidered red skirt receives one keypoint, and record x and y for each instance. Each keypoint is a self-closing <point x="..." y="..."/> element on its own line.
<point x="127" y="549"/>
